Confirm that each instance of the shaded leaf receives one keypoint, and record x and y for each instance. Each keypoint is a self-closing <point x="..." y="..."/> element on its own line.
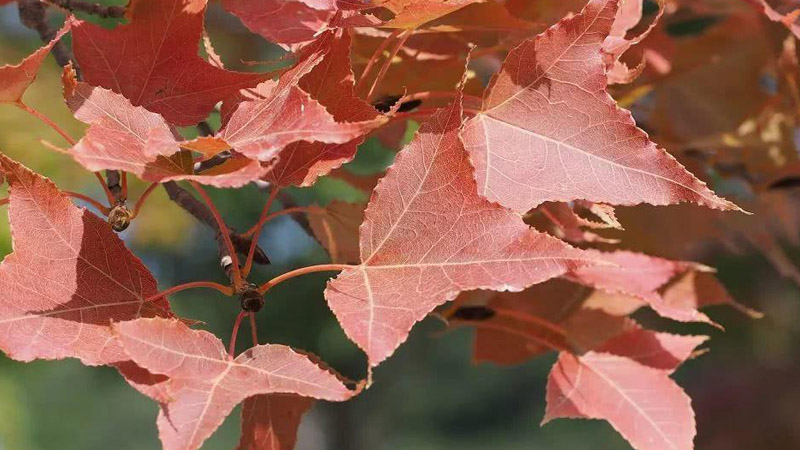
<point x="270" y="422"/>
<point x="331" y="83"/>
<point x="547" y="317"/>
<point x="641" y="276"/>
<point x="279" y="113"/>
<point x="154" y="61"/>
<point x="661" y="351"/>
<point x="68" y="278"/>
<point x="336" y="228"/>
<point x="293" y="22"/>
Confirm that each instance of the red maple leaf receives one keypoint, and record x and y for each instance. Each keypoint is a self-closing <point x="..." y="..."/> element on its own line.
<point x="294" y="22"/>
<point x="331" y="83"/>
<point x="642" y="276"/>
<point x="549" y="131"/>
<point x="639" y="401"/>
<point x="122" y="136"/>
<point x="427" y="235"/>
<point x="206" y="384"/>
<point x="516" y="327"/>
<point x="270" y="422"/>
<point x="153" y="61"/>
<point x="261" y="122"/>
<point x="413" y="13"/>
<point x="68" y="278"/>
<point x="15" y="79"/>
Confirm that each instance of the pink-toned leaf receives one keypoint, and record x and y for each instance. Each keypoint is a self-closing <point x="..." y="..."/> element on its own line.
<point x="699" y="289"/>
<point x="331" y="83"/>
<point x="642" y="403"/>
<point x="270" y="422"/>
<point x="154" y="61"/>
<point x="288" y="22"/>
<point x="614" y="303"/>
<point x="336" y="228"/>
<point x="566" y="224"/>
<point x="789" y="17"/>
<point x="543" y="318"/>
<point x="206" y="384"/>
<point x="15" y="79"/>
<point x="153" y="386"/>
<point x="411" y="14"/>
<point x="630" y="273"/>
<point x="617" y="43"/>
<point x="549" y="131"/>
<point x="259" y="129"/>
<point x="125" y="137"/>
<point x="642" y="276"/>
<point x="427" y="235"/>
<point x="661" y="351"/>
<point x="68" y="278"/>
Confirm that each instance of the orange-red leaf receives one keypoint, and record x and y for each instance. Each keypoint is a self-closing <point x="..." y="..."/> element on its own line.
<point x="279" y="113"/>
<point x="661" y="351"/>
<point x="336" y="228"/>
<point x="427" y="235"/>
<point x="68" y="278"/>
<point x="549" y="131"/>
<point x="413" y="13"/>
<point x="14" y="80"/>
<point x="270" y="422"/>
<point x="292" y="22"/>
<point x="647" y="408"/>
<point x="642" y="276"/>
<point x="154" y="61"/>
<point x="205" y="384"/>
<point x="331" y="83"/>
<point x="125" y="137"/>
<point x="546" y="317"/>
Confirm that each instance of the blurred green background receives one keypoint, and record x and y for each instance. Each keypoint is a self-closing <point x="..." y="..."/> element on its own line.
<point x="429" y="395"/>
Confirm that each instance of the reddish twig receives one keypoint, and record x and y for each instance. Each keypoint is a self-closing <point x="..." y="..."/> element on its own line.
<point x="302" y="271"/>
<point x="124" y="186"/>
<point x="388" y="63"/>
<point x="143" y="198"/>
<point x="253" y="328"/>
<point x="256" y="231"/>
<point x="236" y="273"/>
<point x="55" y="127"/>
<point x="236" y="325"/>
<point x="102" y="208"/>
<point x="191" y="285"/>
<point x="106" y="190"/>
<point x="47" y="122"/>
<point x="375" y="57"/>
<point x="283" y="212"/>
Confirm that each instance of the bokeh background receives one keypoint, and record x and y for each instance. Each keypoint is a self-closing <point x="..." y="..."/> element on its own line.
<point x="429" y="396"/>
